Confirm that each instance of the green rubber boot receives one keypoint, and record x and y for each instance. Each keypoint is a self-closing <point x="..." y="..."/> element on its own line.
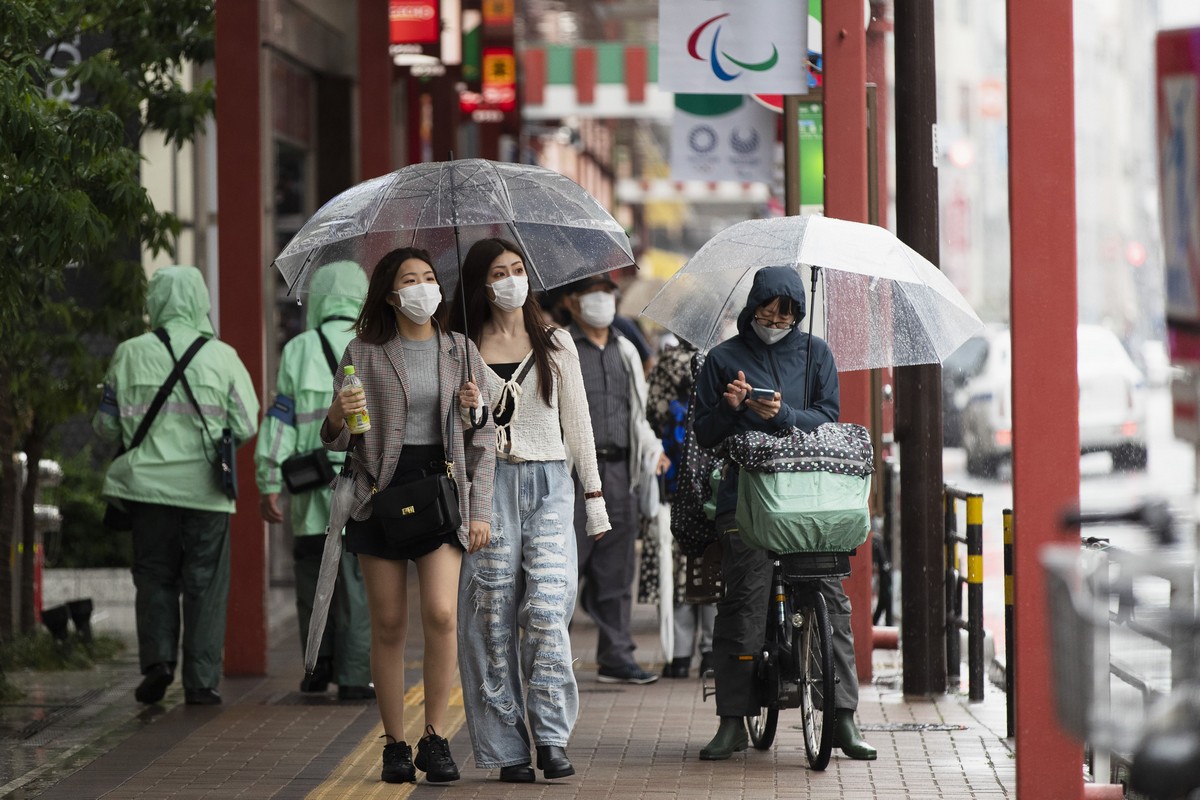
<point x="849" y="738"/>
<point x="731" y="738"/>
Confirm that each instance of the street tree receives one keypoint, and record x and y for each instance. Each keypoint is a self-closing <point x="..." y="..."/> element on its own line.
<point x="80" y="84"/>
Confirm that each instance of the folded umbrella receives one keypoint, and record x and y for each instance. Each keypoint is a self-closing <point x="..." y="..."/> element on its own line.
<point x="339" y="514"/>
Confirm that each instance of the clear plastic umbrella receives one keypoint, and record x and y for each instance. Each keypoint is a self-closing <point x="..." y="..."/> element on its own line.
<point x="878" y="303"/>
<point x="445" y="206"/>
<point x="339" y="513"/>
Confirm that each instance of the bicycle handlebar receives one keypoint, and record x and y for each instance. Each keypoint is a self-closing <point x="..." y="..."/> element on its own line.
<point x="1154" y="514"/>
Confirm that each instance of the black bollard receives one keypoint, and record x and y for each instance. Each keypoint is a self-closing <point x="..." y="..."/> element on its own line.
<point x="55" y="619"/>
<point x="81" y="616"/>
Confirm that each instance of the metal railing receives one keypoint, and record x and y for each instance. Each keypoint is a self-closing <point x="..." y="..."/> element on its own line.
<point x="954" y="582"/>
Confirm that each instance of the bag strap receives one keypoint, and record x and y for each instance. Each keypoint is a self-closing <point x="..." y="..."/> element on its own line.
<point x="164" y="391"/>
<point x="525" y="369"/>
<point x="329" y="354"/>
<point x="448" y="431"/>
<point x="162" y="334"/>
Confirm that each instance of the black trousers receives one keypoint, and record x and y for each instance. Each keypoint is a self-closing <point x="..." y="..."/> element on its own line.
<point x="741" y="626"/>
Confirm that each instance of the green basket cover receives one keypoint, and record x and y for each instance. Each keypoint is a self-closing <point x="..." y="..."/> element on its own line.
<point x="799" y="512"/>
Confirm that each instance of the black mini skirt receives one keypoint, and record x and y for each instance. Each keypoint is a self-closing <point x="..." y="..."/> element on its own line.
<point x="368" y="538"/>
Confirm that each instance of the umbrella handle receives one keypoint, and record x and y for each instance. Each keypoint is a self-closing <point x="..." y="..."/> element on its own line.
<point x="482" y="413"/>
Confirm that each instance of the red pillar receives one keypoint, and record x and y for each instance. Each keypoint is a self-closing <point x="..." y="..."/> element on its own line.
<point x="242" y="267"/>
<point x="374" y="90"/>
<point x="1041" y="145"/>
<point x="845" y="48"/>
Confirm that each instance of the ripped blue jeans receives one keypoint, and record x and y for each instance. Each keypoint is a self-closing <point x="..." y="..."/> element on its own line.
<point x="515" y="598"/>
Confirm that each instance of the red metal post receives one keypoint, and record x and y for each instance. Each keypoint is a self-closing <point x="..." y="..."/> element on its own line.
<point x="845" y="50"/>
<point x="1045" y="393"/>
<point x="242" y="267"/>
<point x="374" y="90"/>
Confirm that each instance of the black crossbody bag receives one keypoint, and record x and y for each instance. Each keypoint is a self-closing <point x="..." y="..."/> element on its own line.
<point x="225" y="465"/>
<point x="117" y="518"/>
<point x="304" y="472"/>
<point x="428" y="506"/>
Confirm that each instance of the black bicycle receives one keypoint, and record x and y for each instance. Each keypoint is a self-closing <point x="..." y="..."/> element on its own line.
<point x="795" y="668"/>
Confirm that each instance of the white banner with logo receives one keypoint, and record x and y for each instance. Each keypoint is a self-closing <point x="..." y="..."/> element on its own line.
<point x="721" y="138"/>
<point x="733" y="46"/>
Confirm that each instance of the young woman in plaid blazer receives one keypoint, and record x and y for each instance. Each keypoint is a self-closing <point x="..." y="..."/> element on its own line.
<point x="412" y="373"/>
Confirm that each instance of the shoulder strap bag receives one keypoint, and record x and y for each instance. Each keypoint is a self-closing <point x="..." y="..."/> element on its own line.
<point x="425" y="508"/>
<point x="115" y="517"/>
<point x="225" y="465"/>
<point x="305" y="472"/>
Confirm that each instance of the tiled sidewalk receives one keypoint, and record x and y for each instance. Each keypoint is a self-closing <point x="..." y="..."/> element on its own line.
<point x="269" y="741"/>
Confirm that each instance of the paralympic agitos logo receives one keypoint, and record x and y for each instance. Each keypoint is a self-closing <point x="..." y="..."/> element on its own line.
<point x="716" y="54"/>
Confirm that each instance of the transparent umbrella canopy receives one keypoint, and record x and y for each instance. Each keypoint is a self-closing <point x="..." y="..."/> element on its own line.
<point x="878" y="302"/>
<point x="446" y="206"/>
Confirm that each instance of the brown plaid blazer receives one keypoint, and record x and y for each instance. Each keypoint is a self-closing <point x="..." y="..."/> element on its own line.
<point x="375" y="453"/>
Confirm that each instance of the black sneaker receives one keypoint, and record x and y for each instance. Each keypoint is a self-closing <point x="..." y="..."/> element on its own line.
<point x="356" y="693"/>
<point x="154" y="683"/>
<point x="202" y="697"/>
<point x="398" y="764"/>
<point x="434" y="759"/>
<point x="629" y="673"/>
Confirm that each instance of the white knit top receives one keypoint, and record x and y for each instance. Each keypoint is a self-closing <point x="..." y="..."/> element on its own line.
<point x="540" y="432"/>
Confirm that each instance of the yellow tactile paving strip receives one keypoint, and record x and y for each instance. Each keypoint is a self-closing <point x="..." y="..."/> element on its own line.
<point x="358" y="773"/>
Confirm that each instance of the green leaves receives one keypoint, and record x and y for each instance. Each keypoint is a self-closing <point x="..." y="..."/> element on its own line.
<point x="73" y="212"/>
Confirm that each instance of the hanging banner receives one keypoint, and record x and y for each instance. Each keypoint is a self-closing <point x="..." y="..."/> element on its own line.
<point x="721" y="138"/>
<point x="723" y="46"/>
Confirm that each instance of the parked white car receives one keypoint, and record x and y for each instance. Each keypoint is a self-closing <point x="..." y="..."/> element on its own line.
<point x="1112" y="402"/>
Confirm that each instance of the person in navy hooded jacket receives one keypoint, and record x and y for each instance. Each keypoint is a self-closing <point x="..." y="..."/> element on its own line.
<point x="769" y="351"/>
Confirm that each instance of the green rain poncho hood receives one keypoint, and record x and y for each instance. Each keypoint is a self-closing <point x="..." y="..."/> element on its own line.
<point x="336" y="290"/>
<point x="304" y="388"/>
<point x="178" y="295"/>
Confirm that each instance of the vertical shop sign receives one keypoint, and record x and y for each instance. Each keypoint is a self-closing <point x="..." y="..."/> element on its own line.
<point x="414" y="21"/>
<point x="500" y="78"/>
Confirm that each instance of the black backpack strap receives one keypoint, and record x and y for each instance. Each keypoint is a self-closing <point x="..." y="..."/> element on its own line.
<point x="179" y="366"/>
<point x="165" y="390"/>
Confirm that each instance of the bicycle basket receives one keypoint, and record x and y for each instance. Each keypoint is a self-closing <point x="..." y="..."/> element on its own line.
<point x="1118" y="641"/>
<point x="799" y="512"/>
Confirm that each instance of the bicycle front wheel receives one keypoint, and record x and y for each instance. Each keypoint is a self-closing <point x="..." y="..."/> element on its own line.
<point x="814" y="642"/>
<point x="762" y="728"/>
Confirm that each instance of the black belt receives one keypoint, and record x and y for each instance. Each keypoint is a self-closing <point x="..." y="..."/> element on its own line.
<point x="612" y="453"/>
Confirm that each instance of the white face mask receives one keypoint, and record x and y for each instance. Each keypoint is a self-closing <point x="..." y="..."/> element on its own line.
<point x="598" y="308"/>
<point x="420" y="301"/>
<point x="770" y="335"/>
<point x="508" y="294"/>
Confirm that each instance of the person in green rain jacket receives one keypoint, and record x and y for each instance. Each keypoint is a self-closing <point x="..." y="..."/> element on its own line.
<point x="169" y="484"/>
<point x="292" y="427"/>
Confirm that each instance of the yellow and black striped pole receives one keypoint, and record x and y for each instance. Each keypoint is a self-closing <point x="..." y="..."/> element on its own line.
<point x="953" y="593"/>
<point x="1010" y="655"/>
<point x="975" y="596"/>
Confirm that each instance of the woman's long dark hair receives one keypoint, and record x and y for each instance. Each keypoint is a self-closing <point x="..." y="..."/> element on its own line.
<point x="376" y="323"/>
<point x="479" y="310"/>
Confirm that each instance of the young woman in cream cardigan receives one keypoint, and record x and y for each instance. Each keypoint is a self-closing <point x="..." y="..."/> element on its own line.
<point x="517" y="594"/>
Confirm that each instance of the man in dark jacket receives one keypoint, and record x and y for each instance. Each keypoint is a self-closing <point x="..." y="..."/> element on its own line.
<point x="768" y="352"/>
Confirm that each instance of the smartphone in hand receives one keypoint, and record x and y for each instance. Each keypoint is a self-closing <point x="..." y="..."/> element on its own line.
<point x="757" y="393"/>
